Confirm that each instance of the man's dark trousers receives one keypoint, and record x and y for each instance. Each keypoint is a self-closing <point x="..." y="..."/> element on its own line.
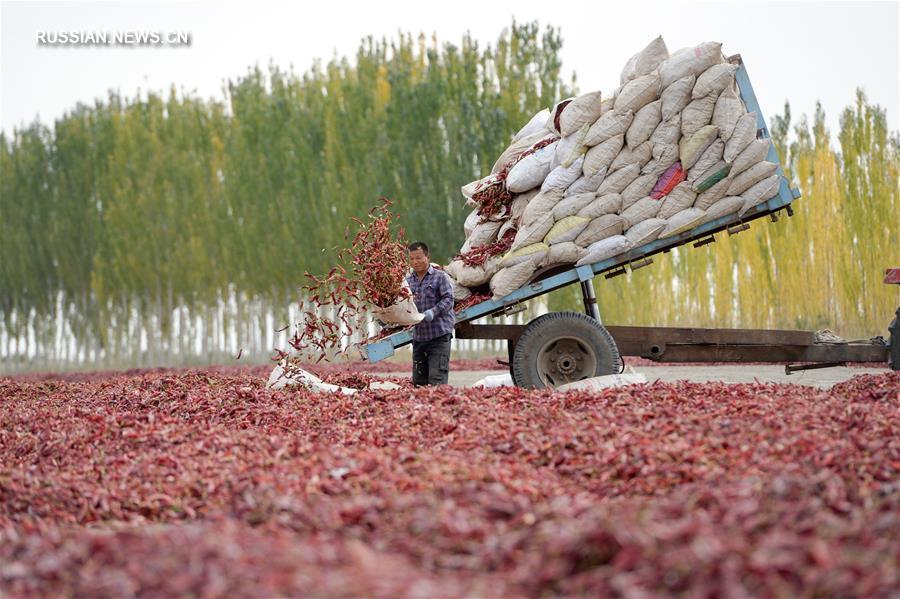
<point x="431" y="361"/>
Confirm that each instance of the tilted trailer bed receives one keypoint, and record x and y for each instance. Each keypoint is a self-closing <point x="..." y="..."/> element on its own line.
<point x="562" y="347"/>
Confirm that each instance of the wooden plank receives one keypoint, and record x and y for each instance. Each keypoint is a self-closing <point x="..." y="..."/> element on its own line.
<point x="850" y="352"/>
<point x="658" y="335"/>
<point x="670" y="335"/>
<point x="489" y="331"/>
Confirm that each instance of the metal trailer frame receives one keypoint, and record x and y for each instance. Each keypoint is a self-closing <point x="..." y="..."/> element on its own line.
<point x="667" y="344"/>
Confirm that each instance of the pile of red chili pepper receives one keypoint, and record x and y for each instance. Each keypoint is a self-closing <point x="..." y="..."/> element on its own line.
<point x="205" y="483"/>
<point x="494" y="200"/>
<point x="362" y="380"/>
<point x="472" y="300"/>
<point x="479" y="254"/>
<point x="491" y="195"/>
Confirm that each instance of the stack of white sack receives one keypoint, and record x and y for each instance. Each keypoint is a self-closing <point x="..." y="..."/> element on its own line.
<point x="591" y="178"/>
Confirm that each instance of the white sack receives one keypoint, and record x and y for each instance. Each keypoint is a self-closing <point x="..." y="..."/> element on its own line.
<point x="604" y="249"/>
<point x="645" y="231"/>
<point x="645" y="62"/>
<point x="689" y="61"/>
<point x="638" y="93"/>
<point x="509" y="279"/>
<point x="683" y="221"/>
<point x="532" y="170"/>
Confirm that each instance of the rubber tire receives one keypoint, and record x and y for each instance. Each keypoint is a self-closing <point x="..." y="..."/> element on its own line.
<point x="544" y="329"/>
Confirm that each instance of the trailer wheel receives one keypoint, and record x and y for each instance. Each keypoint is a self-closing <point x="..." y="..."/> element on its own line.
<point x="563" y="347"/>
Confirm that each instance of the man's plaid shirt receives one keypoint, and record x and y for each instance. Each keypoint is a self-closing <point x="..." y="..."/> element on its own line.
<point x="432" y="292"/>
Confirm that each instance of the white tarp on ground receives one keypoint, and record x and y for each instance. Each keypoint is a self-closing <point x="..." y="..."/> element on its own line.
<point x="598" y="383"/>
<point x="495" y="380"/>
<point x="629" y="377"/>
<point x="279" y="379"/>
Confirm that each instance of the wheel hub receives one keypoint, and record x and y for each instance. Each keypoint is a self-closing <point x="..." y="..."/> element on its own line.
<point x="565" y="360"/>
<point x="567" y="363"/>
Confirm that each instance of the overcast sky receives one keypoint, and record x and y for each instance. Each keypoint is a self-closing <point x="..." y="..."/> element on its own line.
<point x="797" y="51"/>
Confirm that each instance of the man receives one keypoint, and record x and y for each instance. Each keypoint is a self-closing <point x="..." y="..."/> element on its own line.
<point x="431" y="337"/>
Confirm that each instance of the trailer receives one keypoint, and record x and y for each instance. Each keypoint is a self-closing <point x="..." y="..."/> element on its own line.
<point x="563" y="347"/>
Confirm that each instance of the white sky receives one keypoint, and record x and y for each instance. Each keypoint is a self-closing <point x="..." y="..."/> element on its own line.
<point x="799" y="51"/>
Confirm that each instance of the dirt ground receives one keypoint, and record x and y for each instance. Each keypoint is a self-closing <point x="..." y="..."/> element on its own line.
<point x="823" y="378"/>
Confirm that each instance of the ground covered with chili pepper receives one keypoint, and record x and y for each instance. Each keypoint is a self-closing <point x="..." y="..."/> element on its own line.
<point x="325" y="369"/>
<point x="206" y="483"/>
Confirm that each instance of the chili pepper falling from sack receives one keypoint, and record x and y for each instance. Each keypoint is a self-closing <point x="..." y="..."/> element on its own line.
<point x="371" y="271"/>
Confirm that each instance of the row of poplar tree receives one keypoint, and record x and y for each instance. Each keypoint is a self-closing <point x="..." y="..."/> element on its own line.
<point x="160" y="229"/>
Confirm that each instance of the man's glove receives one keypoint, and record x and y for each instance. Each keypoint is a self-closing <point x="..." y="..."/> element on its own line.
<point x="429" y="315"/>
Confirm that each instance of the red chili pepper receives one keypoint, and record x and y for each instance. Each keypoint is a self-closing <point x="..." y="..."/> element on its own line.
<point x="479" y="254"/>
<point x="472" y="300"/>
<point x="370" y="272"/>
<point x="206" y="483"/>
